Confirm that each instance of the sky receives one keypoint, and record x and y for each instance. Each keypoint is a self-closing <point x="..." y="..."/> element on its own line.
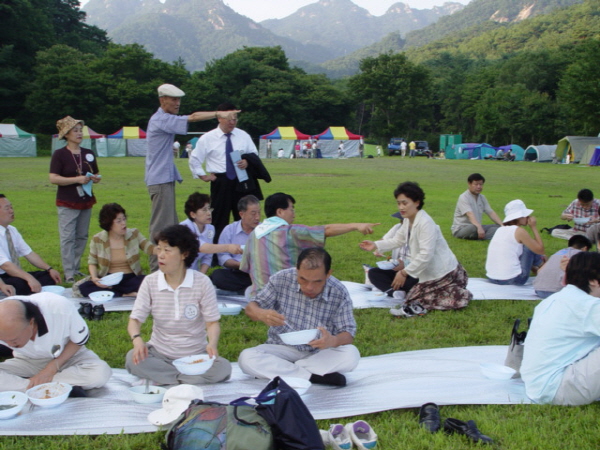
<point x="259" y="10"/>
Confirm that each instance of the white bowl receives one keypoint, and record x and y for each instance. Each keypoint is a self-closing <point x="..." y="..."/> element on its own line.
<point x="112" y="279"/>
<point x="11" y="402"/>
<point x="59" y="290"/>
<point x="581" y="220"/>
<point x="496" y="371"/>
<point x="229" y="309"/>
<point x="194" y="365"/>
<point x="385" y="265"/>
<point x="101" y="296"/>
<point x="300" y="385"/>
<point x="48" y="395"/>
<point x="299" y="337"/>
<point x="155" y="394"/>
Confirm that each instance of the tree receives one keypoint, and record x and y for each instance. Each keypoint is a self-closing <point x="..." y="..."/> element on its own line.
<point x="396" y="92"/>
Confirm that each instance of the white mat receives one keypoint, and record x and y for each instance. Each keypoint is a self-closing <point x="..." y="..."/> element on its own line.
<point x="447" y="376"/>
<point x="363" y="297"/>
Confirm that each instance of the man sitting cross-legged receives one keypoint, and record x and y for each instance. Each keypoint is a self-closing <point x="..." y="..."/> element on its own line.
<point x="301" y="298"/>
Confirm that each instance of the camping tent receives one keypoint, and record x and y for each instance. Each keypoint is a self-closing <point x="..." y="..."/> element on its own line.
<point x="128" y="141"/>
<point x="590" y="155"/>
<point x="16" y="142"/>
<point x="96" y="142"/>
<point x="330" y="139"/>
<point x="595" y="158"/>
<point x="472" y="151"/>
<point x="540" y="153"/>
<point x="281" y="137"/>
<point x="575" y="147"/>
<point x="516" y="149"/>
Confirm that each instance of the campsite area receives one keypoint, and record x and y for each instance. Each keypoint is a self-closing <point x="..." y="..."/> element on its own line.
<point x="334" y="191"/>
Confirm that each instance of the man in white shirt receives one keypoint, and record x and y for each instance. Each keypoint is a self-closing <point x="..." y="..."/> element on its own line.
<point x="47" y="336"/>
<point x="12" y="247"/>
<point x="469" y="211"/>
<point x="213" y="152"/>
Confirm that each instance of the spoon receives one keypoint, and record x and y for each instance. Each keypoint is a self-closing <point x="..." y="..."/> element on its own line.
<point x="146" y="391"/>
<point x="55" y="351"/>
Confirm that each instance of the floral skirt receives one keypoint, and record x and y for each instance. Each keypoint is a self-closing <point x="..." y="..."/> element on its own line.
<point x="447" y="292"/>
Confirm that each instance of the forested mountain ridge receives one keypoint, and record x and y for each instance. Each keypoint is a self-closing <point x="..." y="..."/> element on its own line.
<point x="344" y="27"/>
<point x="198" y="31"/>
<point x="476" y="18"/>
<point x="195" y="31"/>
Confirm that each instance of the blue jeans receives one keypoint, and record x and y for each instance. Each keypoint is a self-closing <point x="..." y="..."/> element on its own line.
<point x="528" y="259"/>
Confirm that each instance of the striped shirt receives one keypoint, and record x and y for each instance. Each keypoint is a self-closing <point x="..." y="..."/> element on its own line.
<point x="180" y="315"/>
<point x="277" y="250"/>
<point x="332" y="309"/>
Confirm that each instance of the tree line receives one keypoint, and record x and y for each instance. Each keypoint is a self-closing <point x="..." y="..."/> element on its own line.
<point x="62" y="66"/>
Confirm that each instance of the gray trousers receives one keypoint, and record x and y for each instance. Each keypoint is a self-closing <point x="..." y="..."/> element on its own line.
<point x="163" y="212"/>
<point x="83" y="369"/>
<point x="470" y="232"/>
<point x="160" y="369"/>
<point x="580" y="383"/>
<point x="73" y="226"/>
<point x="271" y="360"/>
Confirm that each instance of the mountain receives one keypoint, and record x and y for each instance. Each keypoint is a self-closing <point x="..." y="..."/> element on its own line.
<point x="344" y="27"/>
<point x="199" y="31"/>
<point x="476" y="18"/>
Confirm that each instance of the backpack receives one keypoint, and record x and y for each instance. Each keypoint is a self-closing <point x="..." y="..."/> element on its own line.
<point x="215" y="426"/>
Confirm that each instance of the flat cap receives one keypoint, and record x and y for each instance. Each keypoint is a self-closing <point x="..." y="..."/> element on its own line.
<point x="168" y="90"/>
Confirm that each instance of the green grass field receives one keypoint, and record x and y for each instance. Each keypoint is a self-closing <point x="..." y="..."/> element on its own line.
<point x="332" y="191"/>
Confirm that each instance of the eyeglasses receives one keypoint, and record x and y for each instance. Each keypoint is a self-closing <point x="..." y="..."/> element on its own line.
<point x="207" y="210"/>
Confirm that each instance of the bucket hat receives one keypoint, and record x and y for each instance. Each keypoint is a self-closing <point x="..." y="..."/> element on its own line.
<point x="66" y="124"/>
<point x="176" y="401"/>
<point x="515" y="210"/>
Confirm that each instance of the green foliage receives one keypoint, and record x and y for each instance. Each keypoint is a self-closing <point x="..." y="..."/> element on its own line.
<point x="396" y="92"/>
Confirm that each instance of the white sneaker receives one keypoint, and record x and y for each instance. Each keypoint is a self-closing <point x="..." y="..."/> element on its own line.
<point x="362" y="435"/>
<point x="399" y="295"/>
<point x="336" y="437"/>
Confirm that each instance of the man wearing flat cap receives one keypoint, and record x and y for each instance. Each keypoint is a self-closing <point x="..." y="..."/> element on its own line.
<point x="161" y="172"/>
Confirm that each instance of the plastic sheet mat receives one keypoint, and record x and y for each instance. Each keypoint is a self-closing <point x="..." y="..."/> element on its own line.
<point x="447" y="376"/>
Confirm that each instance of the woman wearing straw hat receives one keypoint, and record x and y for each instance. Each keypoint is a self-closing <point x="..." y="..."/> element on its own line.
<point x="73" y="169"/>
<point x="512" y="252"/>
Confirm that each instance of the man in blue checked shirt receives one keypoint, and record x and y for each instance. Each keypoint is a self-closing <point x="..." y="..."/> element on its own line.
<point x="302" y="298"/>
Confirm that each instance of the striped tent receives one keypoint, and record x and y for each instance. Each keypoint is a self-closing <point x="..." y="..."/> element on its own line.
<point x="281" y="138"/>
<point x="332" y="137"/>
<point x="16" y="142"/>
<point x="128" y="141"/>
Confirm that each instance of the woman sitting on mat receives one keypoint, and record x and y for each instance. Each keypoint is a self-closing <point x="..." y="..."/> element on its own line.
<point x="185" y="315"/>
<point x="431" y="276"/>
<point x="512" y="252"/>
<point x="116" y="249"/>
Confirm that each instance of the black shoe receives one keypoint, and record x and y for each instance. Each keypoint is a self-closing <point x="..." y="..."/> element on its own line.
<point x="98" y="312"/>
<point x="331" y="379"/>
<point x="85" y="310"/>
<point x="77" y="391"/>
<point x="468" y="429"/>
<point x="429" y="417"/>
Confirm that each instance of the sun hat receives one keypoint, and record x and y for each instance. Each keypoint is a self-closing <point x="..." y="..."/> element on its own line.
<point x="515" y="210"/>
<point x="66" y="124"/>
<point x="176" y="401"/>
<point x="168" y="90"/>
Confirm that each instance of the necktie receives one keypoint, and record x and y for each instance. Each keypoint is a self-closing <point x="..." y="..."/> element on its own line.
<point x="230" y="170"/>
<point x="14" y="257"/>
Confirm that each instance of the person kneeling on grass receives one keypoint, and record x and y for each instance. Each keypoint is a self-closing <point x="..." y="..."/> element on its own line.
<point x="302" y="298"/>
<point x="562" y="349"/>
<point x="183" y="305"/>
